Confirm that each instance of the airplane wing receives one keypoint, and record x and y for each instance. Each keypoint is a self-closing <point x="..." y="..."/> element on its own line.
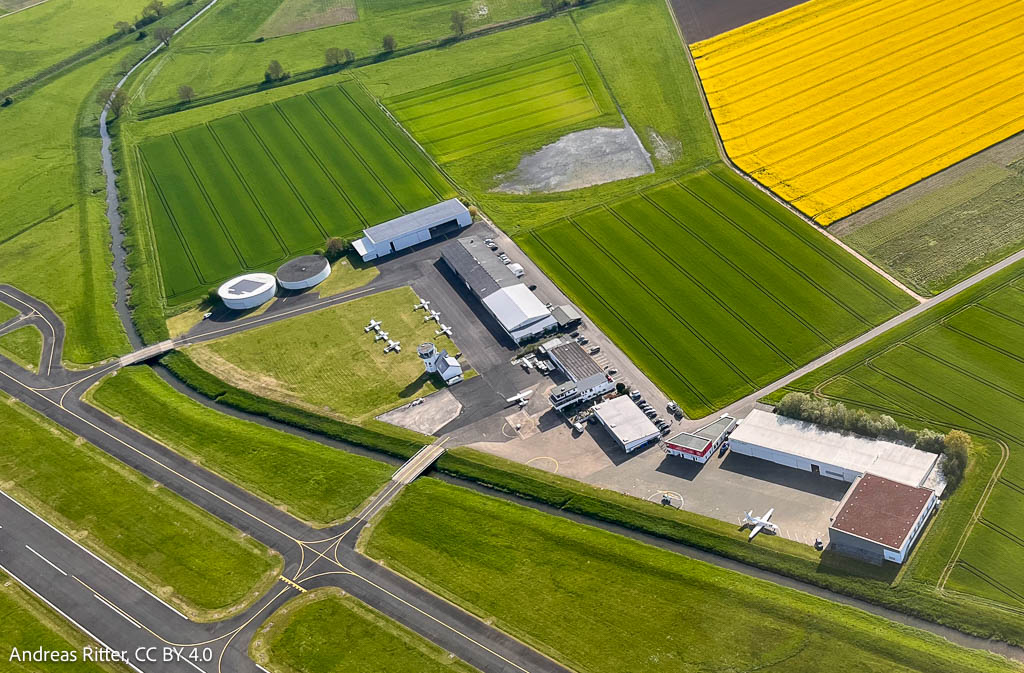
<point x="755" y="531"/>
<point x="768" y="514"/>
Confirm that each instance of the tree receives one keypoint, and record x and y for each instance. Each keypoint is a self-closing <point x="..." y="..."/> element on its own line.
<point x="348" y="55"/>
<point x="163" y="34"/>
<point x="458" y="23"/>
<point x="929" y="441"/>
<point x="186" y="93"/>
<point x="957" y="446"/>
<point x="332" y="56"/>
<point x="116" y="98"/>
<point x="336" y="247"/>
<point x="550" y="6"/>
<point x="388" y="43"/>
<point x="123" y="27"/>
<point x="275" y="72"/>
<point x="154" y="9"/>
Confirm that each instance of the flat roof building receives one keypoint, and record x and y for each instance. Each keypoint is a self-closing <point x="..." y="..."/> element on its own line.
<point x="701" y="444"/>
<point x="880" y="519"/>
<point x="247" y="291"/>
<point x="810" y="447"/>
<point x="412" y="228"/>
<point x="587" y="379"/>
<point x="303" y="272"/>
<point x="626" y="423"/>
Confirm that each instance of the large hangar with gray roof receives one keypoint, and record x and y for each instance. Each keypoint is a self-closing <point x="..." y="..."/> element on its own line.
<point x="408" y="230"/>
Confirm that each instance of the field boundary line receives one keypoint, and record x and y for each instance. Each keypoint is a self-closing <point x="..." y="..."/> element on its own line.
<point x="625" y="323"/>
<point x="738" y="269"/>
<point x="664" y="304"/>
<point x="966" y="373"/>
<point x="173" y="220"/>
<point x="390" y="142"/>
<point x="284" y="175"/>
<point x="209" y="201"/>
<point x="248" y="190"/>
<point x="33" y="225"/>
<point x="1000" y="314"/>
<point x="146" y="228"/>
<point x="704" y="288"/>
<point x="359" y="157"/>
<point x="774" y="253"/>
<point x="316" y="159"/>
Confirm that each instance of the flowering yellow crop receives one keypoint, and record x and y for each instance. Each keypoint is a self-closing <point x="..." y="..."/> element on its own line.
<point x="835" y="104"/>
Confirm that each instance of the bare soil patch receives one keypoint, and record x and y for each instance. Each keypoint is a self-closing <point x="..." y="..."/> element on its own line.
<point x="701" y="19"/>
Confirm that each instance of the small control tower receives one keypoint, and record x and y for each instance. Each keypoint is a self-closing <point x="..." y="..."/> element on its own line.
<point x="428" y="353"/>
<point x="441" y="363"/>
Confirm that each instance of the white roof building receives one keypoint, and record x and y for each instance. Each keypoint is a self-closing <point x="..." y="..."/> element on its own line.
<point x="626" y="422"/>
<point x="247" y="291"/>
<point x="412" y="228"/>
<point x="810" y="447"/>
<point x="519" y="311"/>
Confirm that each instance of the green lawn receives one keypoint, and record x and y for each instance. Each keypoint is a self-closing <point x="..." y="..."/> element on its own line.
<point x="24" y="345"/>
<point x="314" y="482"/>
<point x="659" y="273"/>
<point x="29" y="625"/>
<point x="943" y="237"/>
<point x="181" y="553"/>
<point x="54" y="238"/>
<point x="249" y="190"/>
<point x="600" y="602"/>
<point x="55" y="30"/>
<point x="6" y="312"/>
<point x="475" y="113"/>
<point x="324" y="361"/>
<point x="958" y="365"/>
<point x="327" y="631"/>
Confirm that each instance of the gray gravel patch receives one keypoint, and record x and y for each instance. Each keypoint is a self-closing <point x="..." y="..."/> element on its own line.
<point x="579" y="159"/>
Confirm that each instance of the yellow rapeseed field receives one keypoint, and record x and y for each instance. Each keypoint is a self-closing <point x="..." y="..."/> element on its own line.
<point x="835" y="104"/>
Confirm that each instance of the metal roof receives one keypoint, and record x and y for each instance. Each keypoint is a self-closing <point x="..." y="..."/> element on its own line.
<point x="625" y="420"/>
<point x="475" y="263"/>
<point x="516" y="307"/>
<point x="424" y="218"/>
<point x="247" y="285"/>
<point x="565" y="314"/>
<point x="819" y="445"/>
<point x="301" y="268"/>
<point x="881" y="510"/>
<point x="574" y="361"/>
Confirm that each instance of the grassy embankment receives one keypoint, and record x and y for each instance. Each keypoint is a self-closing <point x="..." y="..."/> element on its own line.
<point x="7" y="312"/>
<point x="326" y="631"/>
<point x="24" y="346"/>
<point x="310" y="480"/>
<point x="956" y="366"/>
<point x="325" y="361"/>
<point x="194" y="561"/>
<point x="482" y="552"/>
<point x="28" y="624"/>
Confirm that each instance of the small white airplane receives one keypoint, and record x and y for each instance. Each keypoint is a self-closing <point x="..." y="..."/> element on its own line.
<point x="759" y="523"/>
<point x="424" y="304"/>
<point x="433" y="315"/>
<point x="380" y="336"/>
<point x="445" y="329"/>
<point x="374" y="324"/>
<point x="393" y="346"/>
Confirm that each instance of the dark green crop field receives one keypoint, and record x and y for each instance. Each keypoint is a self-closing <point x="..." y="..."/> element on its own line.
<point x="474" y="113"/>
<point x="712" y="288"/>
<point x="959" y="365"/>
<point x="246" y="191"/>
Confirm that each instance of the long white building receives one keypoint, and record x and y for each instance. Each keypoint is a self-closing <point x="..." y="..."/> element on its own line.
<point x="408" y="230"/>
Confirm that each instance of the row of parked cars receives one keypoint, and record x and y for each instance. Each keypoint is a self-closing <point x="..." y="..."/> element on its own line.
<point x="651" y="413"/>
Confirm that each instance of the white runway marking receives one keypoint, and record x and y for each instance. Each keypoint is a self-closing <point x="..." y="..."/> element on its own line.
<point x="116" y="609"/>
<point x="48" y="562"/>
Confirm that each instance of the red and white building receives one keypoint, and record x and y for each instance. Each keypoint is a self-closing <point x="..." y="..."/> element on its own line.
<point x="701" y="444"/>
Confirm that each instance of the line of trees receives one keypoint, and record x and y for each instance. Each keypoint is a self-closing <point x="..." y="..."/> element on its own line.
<point x="954" y="446"/>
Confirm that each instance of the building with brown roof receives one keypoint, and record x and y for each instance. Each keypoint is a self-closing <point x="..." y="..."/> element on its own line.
<point x="880" y="519"/>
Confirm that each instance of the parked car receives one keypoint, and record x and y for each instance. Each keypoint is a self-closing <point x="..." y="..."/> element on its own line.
<point x="578" y="427"/>
<point x="635" y="394"/>
<point x="594" y="350"/>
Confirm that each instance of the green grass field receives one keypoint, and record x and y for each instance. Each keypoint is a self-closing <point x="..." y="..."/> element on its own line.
<point x="55" y="30"/>
<point x="312" y="481"/>
<point x="958" y="365"/>
<point x="249" y="190"/>
<point x="474" y="113"/>
<point x="6" y="312"/>
<point x="324" y="361"/>
<point x="196" y="562"/>
<point x="24" y="345"/>
<point x="296" y="16"/>
<point x="327" y="631"/>
<point x="945" y="236"/>
<point x="710" y="286"/>
<point x="600" y="602"/>
<point x="30" y="624"/>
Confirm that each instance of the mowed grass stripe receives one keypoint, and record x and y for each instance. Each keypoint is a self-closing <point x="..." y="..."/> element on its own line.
<point x="407" y="187"/>
<point x="316" y="190"/>
<point x="398" y="140"/>
<point x="177" y="268"/>
<point x="228" y="197"/>
<point x="213" y="253"/>
<point x="292" y="218"/>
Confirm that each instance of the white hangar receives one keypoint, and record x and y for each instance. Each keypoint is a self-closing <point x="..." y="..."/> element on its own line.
<point x="412" y="228"/>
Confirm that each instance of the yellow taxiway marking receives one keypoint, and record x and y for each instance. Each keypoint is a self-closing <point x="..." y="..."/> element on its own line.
<point x="293" y="585"/>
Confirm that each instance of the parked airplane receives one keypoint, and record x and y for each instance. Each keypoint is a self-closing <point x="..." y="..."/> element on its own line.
<point x="379" y="336"/>
<point x="759" y="523"/>
<point x="393" y="346"/>
<point x="424" y="304"/>
<point x="445" y="329"/>
<point x="374" y="324"/>
<point x="434" y="315"/>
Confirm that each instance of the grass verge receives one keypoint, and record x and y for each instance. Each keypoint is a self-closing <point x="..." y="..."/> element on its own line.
<point x="24" y="346"/>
